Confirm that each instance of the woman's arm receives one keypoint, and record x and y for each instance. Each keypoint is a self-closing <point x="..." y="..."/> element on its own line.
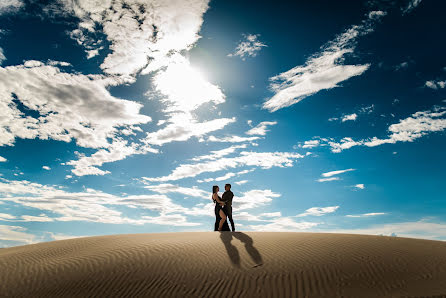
<point x="215" y="196"/>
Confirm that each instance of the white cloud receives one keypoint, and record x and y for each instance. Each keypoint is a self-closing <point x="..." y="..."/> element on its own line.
<point x="261" y="128"/>
<point x="10" y="6"/>
<point x="402" y="65"/>
<point x="226" y="176"/>
<point x="354" y="116"/>
<point x="311" y="144"/>
<point x="188" y="191"/>
<point x="332" y="173"/>
<point x="360" y="186"/>
<point x="410" y="6"/>
<point x="248" y="47"/>
<point x="16" y="234"/>
<point x="324" y="70"/>
<point x="2" y="159"/>
<point x="119" y="149"/>
<point x="318" y="211"/>
<point x="367" y="214"/>
<point x="41" y="218"/>
<point x="345" y="143"/>
<point x="422" y="229"/>
<point x="263" y="160"/>
<point x="219" y="153"/>
<point x="2" y="56"/>
<point x="141" y="33"/>
<point x="284" y="224"/>
<point x="407" y="130"/>
<point x="435" y="84"/>
<point x="328" y="179"/>
<point x="6" y="216"/>
<point x="78" y="206"/>
<point x="232" y="139"/>
<point x="271" y="214"/>
<point x="183" y="127"/>
<point x="349" y="117"/>
<point x="46" y="168"/>
<point x="253" y="199"/>
<point x="241" y="182"/>
<point x="71" y="106"/>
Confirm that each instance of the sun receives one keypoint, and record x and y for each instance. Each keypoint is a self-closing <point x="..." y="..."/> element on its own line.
<point x="185" y="87"/>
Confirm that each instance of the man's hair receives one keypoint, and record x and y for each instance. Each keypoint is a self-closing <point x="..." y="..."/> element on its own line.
<point x="227" y="184"/>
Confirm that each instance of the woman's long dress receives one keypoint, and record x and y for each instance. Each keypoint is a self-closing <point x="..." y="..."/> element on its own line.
<point x="217" y="217"/>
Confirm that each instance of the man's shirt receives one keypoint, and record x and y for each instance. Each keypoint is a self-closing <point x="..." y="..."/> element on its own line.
<point x="227" y="197"/>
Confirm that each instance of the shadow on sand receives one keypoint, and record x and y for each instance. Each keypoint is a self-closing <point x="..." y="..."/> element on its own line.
<point x="234" y="256"/>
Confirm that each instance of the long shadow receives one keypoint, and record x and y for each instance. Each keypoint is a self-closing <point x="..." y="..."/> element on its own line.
<point x="234" y="256"/>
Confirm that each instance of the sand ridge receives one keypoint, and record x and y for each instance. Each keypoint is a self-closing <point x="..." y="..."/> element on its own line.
<point x="217" y="264"/>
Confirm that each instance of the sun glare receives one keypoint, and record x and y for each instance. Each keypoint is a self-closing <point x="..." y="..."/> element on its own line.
<point x="185" y="87"/>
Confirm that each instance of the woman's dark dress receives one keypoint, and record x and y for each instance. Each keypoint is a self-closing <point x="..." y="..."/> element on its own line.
<point x="218" y="207"/>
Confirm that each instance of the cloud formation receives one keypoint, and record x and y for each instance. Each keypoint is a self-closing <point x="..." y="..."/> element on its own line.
<point x="324" y="70"/>
<point x="409" y="129"/>
<point x="264" y="160"/>
<point x="248" y="47"/>
<point x="141" y="34"/>
<point x="261" y="129"/>
<point x="78" y="206"/>
<point x="10" y="6"/>
<point x="318" y="211"/>
<point x="67" y="106"/>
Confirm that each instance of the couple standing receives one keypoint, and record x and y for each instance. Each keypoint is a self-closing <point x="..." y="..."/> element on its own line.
<point x="223" y="208"/>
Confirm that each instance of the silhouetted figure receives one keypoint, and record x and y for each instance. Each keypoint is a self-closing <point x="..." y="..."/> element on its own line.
<point x="221" y="212"/>
<point x="227" y="198"/>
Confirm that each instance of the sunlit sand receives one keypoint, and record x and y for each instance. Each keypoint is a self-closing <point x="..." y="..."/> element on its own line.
<point x="226" y="264"/>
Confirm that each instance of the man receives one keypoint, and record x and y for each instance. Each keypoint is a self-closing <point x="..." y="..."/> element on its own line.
<point x="227" y="198"/>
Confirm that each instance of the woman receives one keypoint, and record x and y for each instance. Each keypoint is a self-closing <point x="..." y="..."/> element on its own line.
<point x="220" y="209"/>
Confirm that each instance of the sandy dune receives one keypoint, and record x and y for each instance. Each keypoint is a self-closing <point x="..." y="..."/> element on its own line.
<point x="213" y="264"/>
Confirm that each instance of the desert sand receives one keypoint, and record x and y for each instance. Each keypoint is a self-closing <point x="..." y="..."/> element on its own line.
<point x="226" y="264"/>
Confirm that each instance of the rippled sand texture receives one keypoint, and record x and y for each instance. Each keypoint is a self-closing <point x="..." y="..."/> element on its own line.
<point x="214" y="264"/>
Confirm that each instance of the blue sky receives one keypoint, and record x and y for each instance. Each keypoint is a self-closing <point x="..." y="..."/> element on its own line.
<point x="119" y="116"/>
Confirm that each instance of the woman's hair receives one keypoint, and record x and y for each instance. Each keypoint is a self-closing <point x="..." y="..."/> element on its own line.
<point x="214" y="189"/>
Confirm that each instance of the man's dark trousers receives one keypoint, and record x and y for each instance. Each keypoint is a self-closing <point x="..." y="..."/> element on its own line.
<point x="230" y="217"/>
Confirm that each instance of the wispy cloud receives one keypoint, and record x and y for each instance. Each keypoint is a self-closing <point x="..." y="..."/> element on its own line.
<point x="248" y="47"/>
<point x="171" y="188"/>
<point x="283" y="224"/>
<point x="351" y="117"/>
<point x="2" y="159"/>
<point x="323" y="70"/>
<point x="424" y="229"/>
<point x="16" y="234"/>
<point x="409" y="129"/>
<point x="263" y="160"/>
<point x="435" y="84"/>
<point x="261" y="128"/>
<point x="354" y="116"/>
<point x="2" y="56"/>
<point x="318" y="211"/>
<point x="78" y="206"/>
<point x="254" y="199"/>
<point x="75" y="98"/>
<point x="412" y="4"/>
<point x="367" y="214"/>
<point x="10" y="6"/>
<point x="359" y="186"/>
<point x="332" y="173"/>
<point x="141" y="34"/>
<point x="328" y="179"/>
